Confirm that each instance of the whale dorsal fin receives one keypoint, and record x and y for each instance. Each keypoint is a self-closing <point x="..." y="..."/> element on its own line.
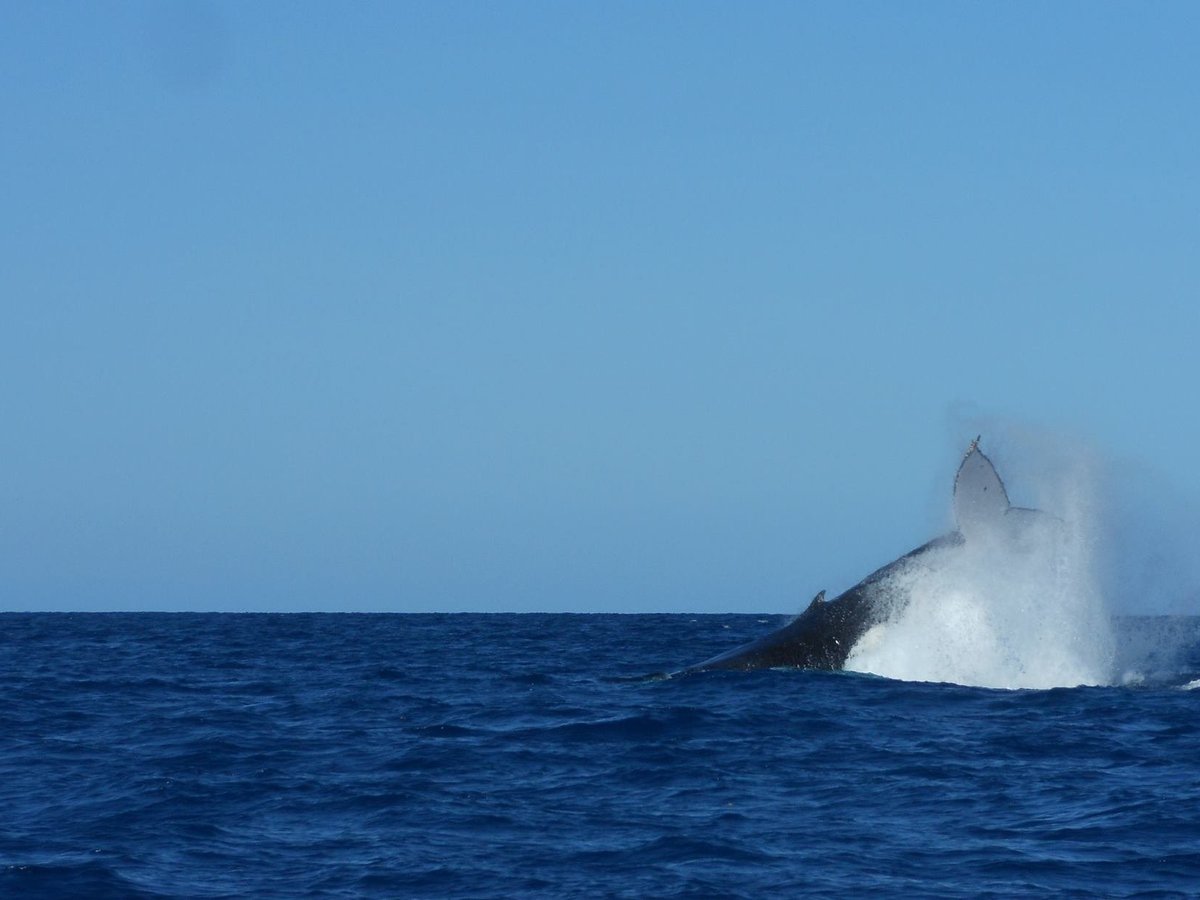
<point x="817" y="600"/>
<point x="979" y="496"/>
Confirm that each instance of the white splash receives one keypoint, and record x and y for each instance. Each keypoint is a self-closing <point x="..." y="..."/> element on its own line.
<point x="1017" y="607"/>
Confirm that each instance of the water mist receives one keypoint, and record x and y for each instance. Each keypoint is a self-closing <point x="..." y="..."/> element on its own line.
<point x="1017" y="605"/>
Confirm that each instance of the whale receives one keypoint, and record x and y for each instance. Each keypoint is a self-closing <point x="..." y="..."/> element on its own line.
<point x="823" y="636"/>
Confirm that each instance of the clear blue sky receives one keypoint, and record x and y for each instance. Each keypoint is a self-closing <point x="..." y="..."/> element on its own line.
<point x="568" y="306"/>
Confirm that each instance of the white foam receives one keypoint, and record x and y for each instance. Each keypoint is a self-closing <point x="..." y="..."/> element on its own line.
<point x="1017" y="607"/>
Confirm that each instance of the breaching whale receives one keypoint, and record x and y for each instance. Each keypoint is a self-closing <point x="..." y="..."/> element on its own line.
<point x="823" y="635"/>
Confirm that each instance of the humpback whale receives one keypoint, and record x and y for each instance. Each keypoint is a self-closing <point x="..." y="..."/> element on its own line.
<point x="823" y="635"/>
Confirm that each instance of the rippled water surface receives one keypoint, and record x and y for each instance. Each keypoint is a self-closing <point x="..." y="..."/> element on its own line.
<point x="156" y="755"/>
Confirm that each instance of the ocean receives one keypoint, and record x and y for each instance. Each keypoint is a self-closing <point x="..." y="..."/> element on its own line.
<point x="344" y="755"/>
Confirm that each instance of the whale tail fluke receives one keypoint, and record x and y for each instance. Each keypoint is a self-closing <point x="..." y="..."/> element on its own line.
<point x="981" y="504"/>
<point x="979" y="495"/>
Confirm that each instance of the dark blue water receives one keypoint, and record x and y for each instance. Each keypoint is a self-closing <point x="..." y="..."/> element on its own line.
<point x="185" y="755"/>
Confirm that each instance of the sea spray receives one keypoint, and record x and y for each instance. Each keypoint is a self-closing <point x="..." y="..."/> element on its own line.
<point x="1017" y="606"/>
